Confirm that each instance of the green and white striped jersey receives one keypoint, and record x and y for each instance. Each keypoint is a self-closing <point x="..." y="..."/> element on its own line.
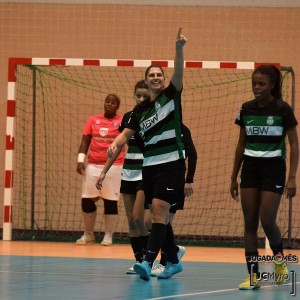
<point x="132" y="168"/>
<point x="159" y="125"/>
<point x="266" y="127"/>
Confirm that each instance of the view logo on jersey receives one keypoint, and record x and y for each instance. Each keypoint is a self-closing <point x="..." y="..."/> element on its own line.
<point x="264" y="130"/>
<point x="149" y="122"/>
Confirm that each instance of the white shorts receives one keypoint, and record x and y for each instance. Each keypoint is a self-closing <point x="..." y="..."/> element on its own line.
<point x="111" y="183"/>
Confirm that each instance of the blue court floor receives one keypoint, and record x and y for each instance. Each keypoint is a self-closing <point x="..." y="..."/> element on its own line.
<point x="49" y="278"/>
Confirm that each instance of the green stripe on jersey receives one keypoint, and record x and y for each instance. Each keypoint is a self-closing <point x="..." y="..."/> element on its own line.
<point x="262" y="120"/>
<point x="267" y="136"/>
<point x="161" y="129"/>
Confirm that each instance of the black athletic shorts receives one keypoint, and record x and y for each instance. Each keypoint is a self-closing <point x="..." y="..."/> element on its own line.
<point x="165" y="181"/>
<point x="131" y="187"/>
<point x="176" y="206"/>
<point x="180" y="202"/>
<point x="265" y="174"/>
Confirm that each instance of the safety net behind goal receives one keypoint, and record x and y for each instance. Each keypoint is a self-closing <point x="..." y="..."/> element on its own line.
<point x="52" y="102"/>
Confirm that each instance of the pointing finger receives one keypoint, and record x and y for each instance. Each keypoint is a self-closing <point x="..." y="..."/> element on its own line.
<point x="179" y="33"/>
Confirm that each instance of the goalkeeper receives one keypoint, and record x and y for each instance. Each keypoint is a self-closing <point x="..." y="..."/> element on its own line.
<point x="98" y="133"/>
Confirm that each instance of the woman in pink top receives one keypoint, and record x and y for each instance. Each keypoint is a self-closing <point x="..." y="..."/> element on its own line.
<point x="99" y="132"/>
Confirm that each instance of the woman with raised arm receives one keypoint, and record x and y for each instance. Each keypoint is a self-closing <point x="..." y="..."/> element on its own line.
<point x="158" y="120"/>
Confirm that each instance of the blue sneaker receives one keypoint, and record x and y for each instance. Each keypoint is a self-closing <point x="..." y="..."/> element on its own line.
<point x="170" y="270"/>
<point x="143" y="269"/>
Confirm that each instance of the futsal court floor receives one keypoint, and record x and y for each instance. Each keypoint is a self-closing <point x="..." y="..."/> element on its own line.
<point x="45" y="270"/>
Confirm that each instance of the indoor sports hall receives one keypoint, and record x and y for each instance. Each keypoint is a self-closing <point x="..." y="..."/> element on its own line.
<point x="52" y="270"/>
<point x="58" y="61"/>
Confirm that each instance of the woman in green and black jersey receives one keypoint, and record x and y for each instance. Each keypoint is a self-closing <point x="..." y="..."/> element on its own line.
<point x="159" y="123"/>
<point x="260" y="153"/>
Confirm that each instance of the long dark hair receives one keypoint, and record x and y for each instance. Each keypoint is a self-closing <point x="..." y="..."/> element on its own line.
<point x="275" y="76"/>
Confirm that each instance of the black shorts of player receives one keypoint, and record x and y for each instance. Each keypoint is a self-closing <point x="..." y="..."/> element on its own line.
<point x="164" y="181"/>
<point x="265" y="174"/>
<point x="131" y="187"/>
<point x="180" y="202"/>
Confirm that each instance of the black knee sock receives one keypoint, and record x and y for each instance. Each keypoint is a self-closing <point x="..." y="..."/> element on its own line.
<point x="137" y="248"/>
<point x="254" y="264"/>
<point x="156" y="239"/>
<point x="163" y="257"/>
<point x="144" y="240"/>
<point x="277" y="249"/>
<point x="169" y="248"/>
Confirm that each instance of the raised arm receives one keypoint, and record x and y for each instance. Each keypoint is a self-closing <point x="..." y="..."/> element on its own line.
<point x="178" y="61"/>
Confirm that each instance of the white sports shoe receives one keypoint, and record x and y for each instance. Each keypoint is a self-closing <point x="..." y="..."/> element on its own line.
<point x="107" y="240"/>
<point x="86" y="238"/>
<point x="157" y="269"/>
<point x="131" y="270"/>
<point x="180" y="252"/>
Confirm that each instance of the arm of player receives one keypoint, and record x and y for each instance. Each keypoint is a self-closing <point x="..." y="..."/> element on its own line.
<point x="188" y="189"/>
<point x="294" y="158"/>
<point x="108" y="164"/>
<point x="120" y="141"/>
<point x="191" y="156"/>
<point x="178" y="61"/>
<point x="191" y="168"/>
<point x="83" y="148"/>
<point x="239" y="156"/>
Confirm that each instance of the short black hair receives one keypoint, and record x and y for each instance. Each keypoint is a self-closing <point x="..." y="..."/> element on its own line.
<point x="115" y="97"/>
<point x="140" y="85"/>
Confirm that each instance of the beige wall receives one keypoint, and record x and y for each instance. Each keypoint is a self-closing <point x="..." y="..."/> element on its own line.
<point x="261" y="34"/>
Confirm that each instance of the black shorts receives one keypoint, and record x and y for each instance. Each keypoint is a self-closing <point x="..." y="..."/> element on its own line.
<point x="165" y="181"/>
<point x="176" y="206"/>
<point x="131" y="187"/>
<point x="180" y="202"/>
<point x="265" y="174"/>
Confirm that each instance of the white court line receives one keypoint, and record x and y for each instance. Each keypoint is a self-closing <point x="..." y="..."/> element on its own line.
<point x="193" y="294"/>
<point x="210" y="292"/>
<point x="56" y="272"/>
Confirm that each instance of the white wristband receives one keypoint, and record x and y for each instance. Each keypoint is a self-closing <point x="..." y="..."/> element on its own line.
<point x="81" y="157"/>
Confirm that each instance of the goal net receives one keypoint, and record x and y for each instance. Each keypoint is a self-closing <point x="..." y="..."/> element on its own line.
<point x="50" y="101"/>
